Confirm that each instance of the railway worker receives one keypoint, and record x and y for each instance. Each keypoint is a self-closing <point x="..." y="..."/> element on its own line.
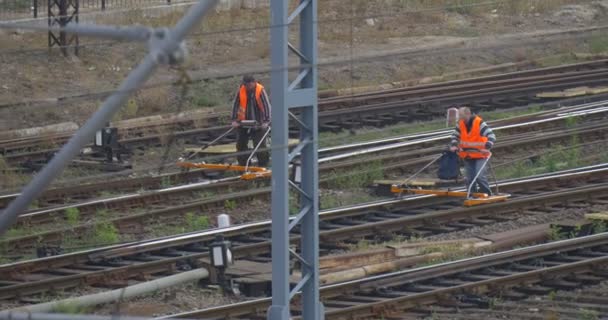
<point x="473" y="138"/>
<point x="251" y="103"/>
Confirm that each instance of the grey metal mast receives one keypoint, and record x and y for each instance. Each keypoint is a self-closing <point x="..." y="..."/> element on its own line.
<point x="290" y="95"/>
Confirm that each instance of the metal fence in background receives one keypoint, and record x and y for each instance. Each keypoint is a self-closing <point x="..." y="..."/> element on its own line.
<point x="23" y="9"/>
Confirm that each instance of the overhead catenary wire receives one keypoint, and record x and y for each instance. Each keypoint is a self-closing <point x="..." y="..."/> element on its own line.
<point x="418" y="52"/>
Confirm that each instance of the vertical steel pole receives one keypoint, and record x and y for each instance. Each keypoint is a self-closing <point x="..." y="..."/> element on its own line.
<point x="280" y="184"/>
<point x="311" y="306"/>
<point x="286" y="95"/>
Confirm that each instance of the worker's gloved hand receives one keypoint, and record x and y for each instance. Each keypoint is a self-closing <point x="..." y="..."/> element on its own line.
<point x="265" y="125"/>
<point x="489" y="145"/>
<point x="453" y="148"/>
<point x="235" y="124"/>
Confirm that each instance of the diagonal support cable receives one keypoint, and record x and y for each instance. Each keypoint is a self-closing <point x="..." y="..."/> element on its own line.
<point x="165" y="47"/>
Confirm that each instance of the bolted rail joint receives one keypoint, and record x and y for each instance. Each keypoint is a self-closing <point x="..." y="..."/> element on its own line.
<point x="165" y="49"/>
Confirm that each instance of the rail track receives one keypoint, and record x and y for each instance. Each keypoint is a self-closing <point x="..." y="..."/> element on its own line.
<point x="177" y="201"/>
<point x="570" y="300"/>
<point x="376" y="108"/>
<point x="465" y="283"/>
<point x="416" y="215"/>
<point x="522" y="125"/>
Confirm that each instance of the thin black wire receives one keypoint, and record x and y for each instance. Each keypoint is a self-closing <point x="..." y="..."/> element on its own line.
<point x="184" y="79"/>
<point x="351" y="18"/>
<point x="352" y="59"/>
<point x="318" y="21"/>
<point x="366" y="59"/>
<point x="352" y="55"/>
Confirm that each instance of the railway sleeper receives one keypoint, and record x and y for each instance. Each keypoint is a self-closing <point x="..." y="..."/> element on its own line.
<point x="534" y="289"/>
<point x="562" y="284"/>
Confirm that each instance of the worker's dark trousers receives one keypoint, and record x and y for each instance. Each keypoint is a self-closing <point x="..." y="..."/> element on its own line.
<point x="243" y="136"/>
<point x="472" y="166"/>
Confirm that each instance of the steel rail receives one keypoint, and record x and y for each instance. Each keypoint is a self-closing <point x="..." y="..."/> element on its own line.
<point x="248" y="248"/>
<point x="374" y="286"/>
<point x="546" y="117"/>
<point x="127" y="222"/>
<point x="390" y="161"/>
<point x="351" y="112"/>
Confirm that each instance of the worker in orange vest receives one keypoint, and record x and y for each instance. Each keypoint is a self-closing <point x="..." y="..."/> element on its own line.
<point x="473" y="140"/>
<point x="251" y="103"/>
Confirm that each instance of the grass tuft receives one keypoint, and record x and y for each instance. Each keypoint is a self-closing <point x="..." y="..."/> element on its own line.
<point x="72" y="216"/>
<point x="105" y="233"/>
<point x="230" y="204"/>
<point x="196" y="223"/>
<point x="359" y="177"/>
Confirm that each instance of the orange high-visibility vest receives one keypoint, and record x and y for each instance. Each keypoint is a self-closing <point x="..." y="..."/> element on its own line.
<point x="242" y="114"/>
<point x="472" y="142"/>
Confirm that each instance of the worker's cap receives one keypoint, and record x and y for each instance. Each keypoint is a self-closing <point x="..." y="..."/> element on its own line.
<point x="248" y="79"/>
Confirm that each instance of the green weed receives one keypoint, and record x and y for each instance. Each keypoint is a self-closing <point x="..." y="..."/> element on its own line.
<point x="358" y="177"/>
<point x="571" y="121"/>
<point x="294" y="204"/>
<point x="230" y="204"/>
<point x="329" y="201"/>
<point x="497" y="115"/>
<point x="467" y="7"/>
<point x="206" y="194"/>
<point x="587" y="314"/>
<point x="16" y="232"/>
<point x="128" y="111"/>
<point x="559" y="158"/>
<point x="363" y="244"/>
<point x="493" y="302"/>
<point x="558" y="60"/>
<point x="328" y="139"/>
<point x="105" y="233"/>
<point x="72" y="216"/>
<point x="70" y="308"/>
<point x="206" y="101"/>
<point x="195" y="223"/>
<point x="599" y="226"/>
<point x="106" y="193"/>
<point x="34" y="205"/>
<point x="518" y="169"/>
<point x="166" y="182"/>
<point x="556" y="233"/>
<point x="598" y="44"/>
<point x="211" y="93"/>
<point x="337" y="199"/>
